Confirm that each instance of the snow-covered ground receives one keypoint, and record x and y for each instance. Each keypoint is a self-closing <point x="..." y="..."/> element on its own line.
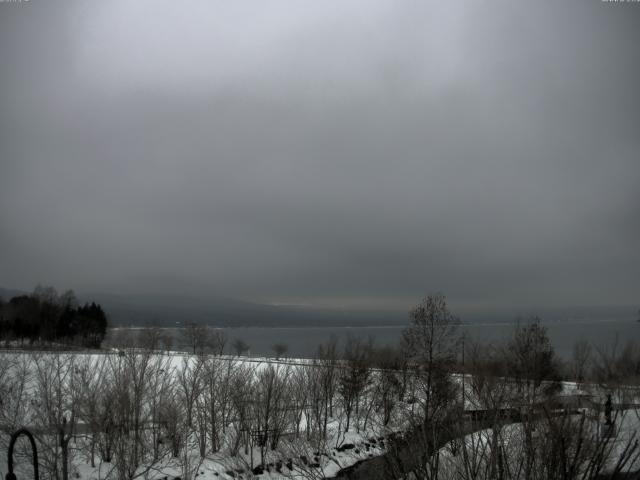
<point x="296" y="456"/>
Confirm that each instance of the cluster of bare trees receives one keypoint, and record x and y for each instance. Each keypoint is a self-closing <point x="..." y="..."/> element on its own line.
<point x="500" y="415"/>
<point x="531" y="426"/>
<point x="529" y="429"/>
<point x="506" y="414"/>
<point x="133" y="412"/>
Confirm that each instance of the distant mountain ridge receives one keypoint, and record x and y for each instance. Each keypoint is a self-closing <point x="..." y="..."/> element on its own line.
<point x="173" y="311"/>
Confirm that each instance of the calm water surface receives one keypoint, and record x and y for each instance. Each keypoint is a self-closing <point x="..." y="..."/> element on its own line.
<point x="303" y="342"/>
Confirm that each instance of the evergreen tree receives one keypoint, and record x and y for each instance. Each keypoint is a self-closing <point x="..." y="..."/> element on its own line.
<point x="45" y="316"/>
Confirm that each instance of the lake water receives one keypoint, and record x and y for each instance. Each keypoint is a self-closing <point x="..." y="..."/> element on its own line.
<point x="303" y="342"/>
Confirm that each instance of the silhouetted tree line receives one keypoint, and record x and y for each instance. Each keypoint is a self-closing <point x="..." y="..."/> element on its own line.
<point x="45" y="316"/>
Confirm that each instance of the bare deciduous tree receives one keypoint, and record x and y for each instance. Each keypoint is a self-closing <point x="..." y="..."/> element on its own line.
<point x="217" y="378"/>
<point x="270" y="406"/>
<point x="354" y="376"/>
<point x="279" y="349"/>
<point x="240" y="346"/>
<point x="580" y="360"/>
<point x="532" y="361"/>
<point x="133" y="375"/>
<point x="57" y="397"/>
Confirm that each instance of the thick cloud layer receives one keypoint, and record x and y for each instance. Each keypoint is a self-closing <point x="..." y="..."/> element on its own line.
<point x="326" y="153"/>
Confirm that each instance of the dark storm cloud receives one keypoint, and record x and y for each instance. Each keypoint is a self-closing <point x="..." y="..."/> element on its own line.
<point x="327" y="153"/>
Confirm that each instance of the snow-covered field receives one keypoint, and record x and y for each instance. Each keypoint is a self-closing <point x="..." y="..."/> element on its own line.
<point x="300" y="451"/>
<point x="225" y="417"/>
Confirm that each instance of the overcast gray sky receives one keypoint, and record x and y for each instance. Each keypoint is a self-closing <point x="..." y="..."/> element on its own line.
<point x="342" y="153"/>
